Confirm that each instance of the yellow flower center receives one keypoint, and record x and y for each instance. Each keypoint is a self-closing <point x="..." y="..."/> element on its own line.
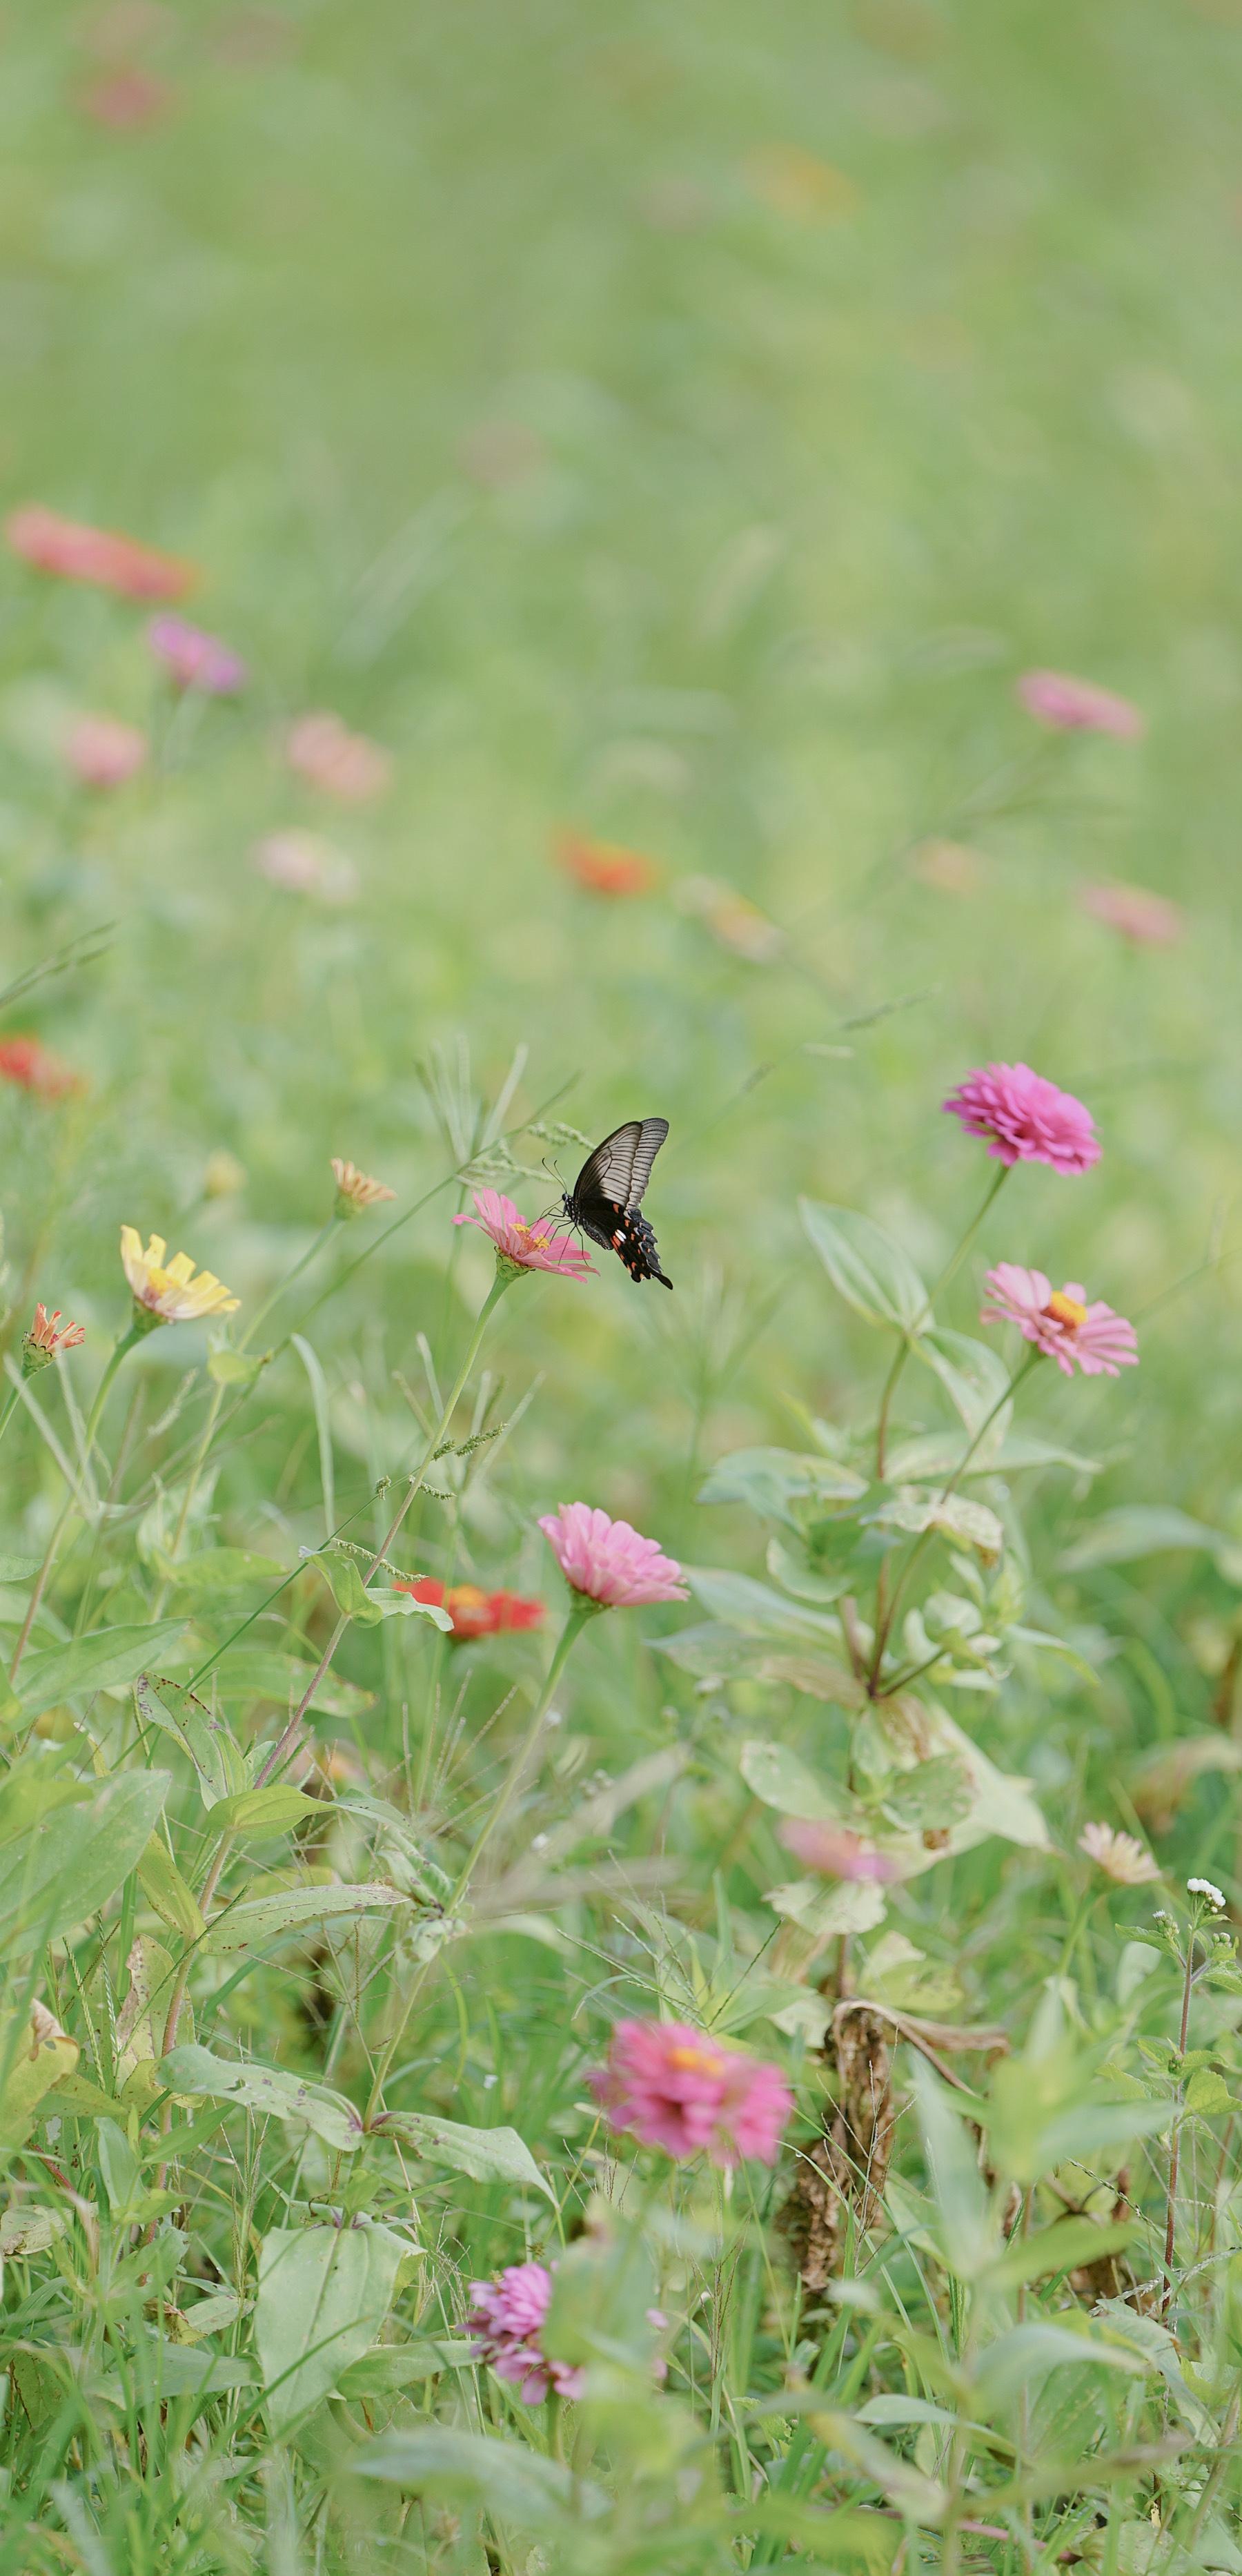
<point x="1065" y="1310"/>
<point x="698" y="2061"/>
<point x="159" y="1282"/>
<point x="537" y="1240"/>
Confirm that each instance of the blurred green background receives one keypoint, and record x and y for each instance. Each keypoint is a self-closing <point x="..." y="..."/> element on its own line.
<point x="682" y="428"/>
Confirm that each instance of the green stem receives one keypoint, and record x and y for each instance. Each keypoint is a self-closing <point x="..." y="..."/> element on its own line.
<point x="10" y="1409"/>
<point x="125" y="1344"/>
<point x="885" y="1619"/>
<point x="906" y="1344"/>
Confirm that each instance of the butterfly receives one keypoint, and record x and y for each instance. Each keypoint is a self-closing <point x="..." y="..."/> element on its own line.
<point x="606" y="1197"/>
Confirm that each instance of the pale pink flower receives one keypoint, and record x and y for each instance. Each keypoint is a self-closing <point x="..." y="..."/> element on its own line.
<point x="680" y="2089"/>
<point x="506" y="2318"/>
<point x="355" y="1190"/>
<point x="1149" y="920"/>
<point x="1060" y="1322"/>
<point x="302" y="863"/>
<point x="103" y="752"/>
<point x="46" y="1339"/>
<point x="344" y="764"/>
<point x="1077" y="706"/>
<point x="1120" y="1856"/>
<point x="78" y="552"/>
<point x="522" y="1245"/>
<point x="129" y="97"/>
<point x="1025" y="1118"/>
<point x="194" y="659"/>
<point x="608" y="1561"/>
<point x="835" y="1851"/>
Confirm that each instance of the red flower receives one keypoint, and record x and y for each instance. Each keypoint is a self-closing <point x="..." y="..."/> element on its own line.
<point x="81" y="553"/>
<point x="32" y="1066"/>
<point x="603" y="867"/>
<point x="475" y="1613"/>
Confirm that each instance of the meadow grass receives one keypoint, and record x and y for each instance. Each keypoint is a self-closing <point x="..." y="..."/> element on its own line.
<point x="678" y="431"/>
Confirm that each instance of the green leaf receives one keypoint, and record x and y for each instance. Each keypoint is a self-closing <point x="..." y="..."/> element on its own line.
<point x="63" y="1869"/>
<point x="487" y="2155"/>
<point x="217" y="1572"/>
<point x="35" y="2054"/>
<point x="1028" y="2352"/>
<point x="1139" y="1529"/>
<point x="323" y="2295"/>
<point x="776" y="1776"/>
<point x="855" y="1905"/>
<point x="955" y="1515"/>
<point x="754" y="1607"/>
<point x="264" y="1811"/>
<point x="389" y="2367"/>
<point x="166" y="1891"/>
<point x="236" y="1368"/>
<point x="196" y="2072"/>
<point x="866" y="1267"/>
<point x="770" y="1481"/>
<point x="18" y="1569"/>
<point x="292" y="1909"/>
<point x="976" y="1381"/>
<point x="508" y="2479"/>
<point x="101" y="1661"/>
<point x="219" y="1762"/>
<point x="255" y="1672"/>
<point x="162" y="2370"/>
<point x="1207" y="2094"/>
<point x="1061" y="2248"/>
<point x="967" y="2228"/>
<point x="369" y="1603"/>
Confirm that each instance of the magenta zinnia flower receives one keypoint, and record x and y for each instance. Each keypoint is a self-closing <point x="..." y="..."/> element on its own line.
<point x="680" y="2089"/>
<point x="506" y="2316"/>
<point x="1060" y="1322"/>
<point x="835" y="1851"/>
<point x="608" y="1561"/>
<point x="1077" y="706"/>
<point x="195" y="660"/>
<point x="1149" y="920"/>
<point x="1025" y="1118"/>
<point x="525" y="1246"/>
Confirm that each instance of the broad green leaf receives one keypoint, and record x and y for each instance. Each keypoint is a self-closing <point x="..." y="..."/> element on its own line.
<point x="161" y="2370"/>
<point x="1139" y="1529"/>
<point x="195" y="2072"/>
<point x="770" y="1481"/>
<point x="35" y="2054"/>
<point x="954" y="1515"/>
<point x="1000" y="1803"/>
<point x="323" y="2296"/>
<point x="18" y="1569"/>
<point x="236" y="1368"/>
<point x="217" y="1573"/>
<point x="776" y="1776"/>
<point x="275" y="1810"/>
<point x="256" y="1672"/>
<point x="167" y="1892"/>
<point x="853" y="1905"/>
<point x="218" y="1760"/>
<point x="487" y="2155"/>
<point x="63" y="1869"/>
<point x="866" y="1267"/>
<point x="368" y="1603"/>
<point x="1060" y="2248"/>
<point x="101" y="1661"/>
<point x="976" y="1381"/>
<point x="1029" y="2352"/>
<point x="292" y="1909"/>
<point x="1208" y="2094"/>
<point x="389" y="2367"/>
<point x="754" y="1607"/>
<point x="509" y="2479"/>
<point x="969" y="2239"/>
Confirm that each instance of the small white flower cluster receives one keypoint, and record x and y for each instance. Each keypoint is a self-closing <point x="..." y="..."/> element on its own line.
<point x="1204" y="1887"/>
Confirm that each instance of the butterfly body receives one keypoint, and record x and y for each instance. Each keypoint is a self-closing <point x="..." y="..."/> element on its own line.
<point x="606" y="1199"/>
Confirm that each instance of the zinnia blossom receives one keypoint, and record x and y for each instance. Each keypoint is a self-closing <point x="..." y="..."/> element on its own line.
<point x="1025" y="1118"/>
<point x="103" y="752"/>
<point x="524" y="1246"/>
<point x="680" y="2089"/>
<point x="506" y="2316"/>
<point x="1148" y="920"/>
<point x="835" y="1851"/>
<point x="100" y="555"/>
<point x="304" y="863"/>
<point x="609" y="1562"/>
<point x="1060" y="1322"/>
<point x="46" y="1339"/>
<point x="170" y="1293"/>
<point x="32" y="1066"/>
<point x="343" y="764"/>
<point x="355" y="1190"/>
<point x="1077" y="706"/>
<point x="603" y="867"/>
<point x="1121" y="1856"/>
<point x="474" y="1613"/>
<point x="194" y="659"/>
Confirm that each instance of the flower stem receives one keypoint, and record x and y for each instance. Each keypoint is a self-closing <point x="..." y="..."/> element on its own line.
<point x="1175" y="2147"/>
<point x="125" y="1344"/>
<point x="9" y="1410"/>
<point x="885" y="1617"/>
<point x="906" y="1344"/>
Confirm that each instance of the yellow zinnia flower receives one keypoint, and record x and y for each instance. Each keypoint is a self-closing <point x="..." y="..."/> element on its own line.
<point x="170" y="1293"/>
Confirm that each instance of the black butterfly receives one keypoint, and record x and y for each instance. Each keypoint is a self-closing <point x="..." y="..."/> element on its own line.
<point x="607" y="1195"/>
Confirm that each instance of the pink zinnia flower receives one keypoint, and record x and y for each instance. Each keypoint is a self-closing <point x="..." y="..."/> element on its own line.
<point x="525" y="1246"/>
<point x="195" y="660"/>
<point x="506" y="2317"/>
<point x="678" y="2088"/>
<point x="78" y="552"/>
<point x="1147" y="919"/>
<point x="1025" y="1118"/>
<point x="1060" y="1322"/>
<point x="608" y="1561"/>
<point x="128" y="97"/>
<point x="1121" y="1856"/>
<point x="835" y="1851"/>
<point x="302" y="863"/>
<point x="1077" y="706"/>
<point x="103" y="752"/>
<point x="343" y="764"/>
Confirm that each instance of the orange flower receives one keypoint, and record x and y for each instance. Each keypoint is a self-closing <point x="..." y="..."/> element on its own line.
<point x="603" y="867"/>
<point x="81" y="553"/>
<point x="475" y="1613"/>
<point x="342" y="764"/>
<point x="355" y="1190"/>
<point x="46" y="1339"/>
<point x="33" y="1067"/>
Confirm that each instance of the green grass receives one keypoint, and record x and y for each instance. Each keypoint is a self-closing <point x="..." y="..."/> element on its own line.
<point x="683" y="428"/>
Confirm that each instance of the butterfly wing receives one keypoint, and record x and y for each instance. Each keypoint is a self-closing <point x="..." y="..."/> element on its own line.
<point x="607" y="1194"/>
